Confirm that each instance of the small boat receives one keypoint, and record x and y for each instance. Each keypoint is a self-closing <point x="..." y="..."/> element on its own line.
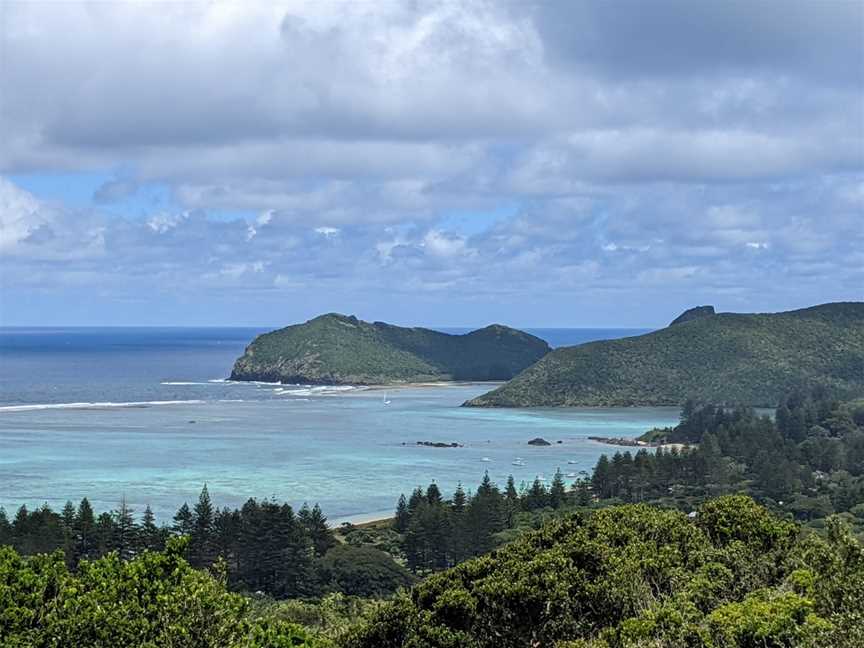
<point x="518" y="462"/>
<point x="571" y="461"/>
<point x="571" y="475"/>
<point x="485" y="459"/>
<point x="541" y="478"/>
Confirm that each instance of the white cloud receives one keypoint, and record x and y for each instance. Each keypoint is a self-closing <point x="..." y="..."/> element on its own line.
<point x="162" y="223"/>
<point x="20" y="216"/>
<point x="441" y="244"/>
<point x="544" y="151"/>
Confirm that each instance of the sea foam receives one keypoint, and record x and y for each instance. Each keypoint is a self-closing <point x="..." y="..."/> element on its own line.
<point x="49" y="406"/>
<point x="315" y="390"/>
<point x="242" y="382"/>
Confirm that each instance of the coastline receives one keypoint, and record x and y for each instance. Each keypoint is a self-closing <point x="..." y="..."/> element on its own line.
<point x="442" y="383"/>
<point x="361" y="519"/>
<point x="627" y="442"/>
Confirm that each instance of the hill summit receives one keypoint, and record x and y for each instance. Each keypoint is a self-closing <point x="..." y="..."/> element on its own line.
<point x="721" y="358"/>
<point x="341" y="349"/>
<point x="695" y="313"/>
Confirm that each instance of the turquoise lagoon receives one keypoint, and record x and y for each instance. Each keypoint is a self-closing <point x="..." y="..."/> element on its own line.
<point x="143" y="414"/>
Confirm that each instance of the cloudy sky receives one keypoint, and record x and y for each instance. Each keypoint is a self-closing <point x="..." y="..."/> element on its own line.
<point x="443" y="163"/>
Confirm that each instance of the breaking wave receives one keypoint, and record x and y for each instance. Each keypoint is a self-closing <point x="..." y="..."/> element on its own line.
<point x="106" y="405"/>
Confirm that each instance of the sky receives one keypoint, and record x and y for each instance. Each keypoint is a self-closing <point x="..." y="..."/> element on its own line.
<point x="555" y="163"/>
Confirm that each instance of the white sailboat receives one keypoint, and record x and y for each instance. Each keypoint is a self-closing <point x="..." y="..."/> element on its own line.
<point x="386" y="400"/>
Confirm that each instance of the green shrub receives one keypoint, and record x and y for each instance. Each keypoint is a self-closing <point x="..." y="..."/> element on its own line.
<point x="155" y="600"/>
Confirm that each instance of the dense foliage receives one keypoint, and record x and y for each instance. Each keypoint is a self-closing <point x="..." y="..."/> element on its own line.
<point x="263" y="546"/>
<point x="155" y="600"/>
<point x="435" y="533"/>
<point x="722" y="359"/>
<point x="809" y="461"/>
<point x="335" y="349"/>
<point x="635" y="575"/>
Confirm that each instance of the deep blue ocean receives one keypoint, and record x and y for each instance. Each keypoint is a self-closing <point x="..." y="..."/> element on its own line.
<point x="146" y="414"/>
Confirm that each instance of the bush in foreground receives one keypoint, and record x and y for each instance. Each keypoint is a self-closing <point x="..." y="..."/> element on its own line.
<point x="155" y="600"/>
<point x="640" y="576"/>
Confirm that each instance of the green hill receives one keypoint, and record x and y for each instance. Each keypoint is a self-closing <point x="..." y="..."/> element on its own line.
<point x="338" y="349"/>
<point x="751" y="359"/>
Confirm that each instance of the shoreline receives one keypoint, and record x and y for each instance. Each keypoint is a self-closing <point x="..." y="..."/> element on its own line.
<point x="634" y="442"/>
<point x="363" y="386"/>
<point x="361" y="519"/>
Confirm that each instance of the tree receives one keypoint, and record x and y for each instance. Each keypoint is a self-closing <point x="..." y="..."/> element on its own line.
<point x="226" y="532"/>
<point x="582" y="488"/>
<point x="274" y="553"/>
<point x="511" y="499"/>
<point x="417" y="498"/>
<point x="433" y="494"/>
<point x="485" y="516"/>
<point x="414" y="542"/>
<point x="601" y="480"/>
<point x="201" y="549"/>
<point x="149" y="536"/>
<point x="364" y="571"/>
<point x="558" y="492"/>
<point x="21" y="530"/>
<point x="70" y="543"/>
<point x="5" y="528"/>
<point x="183" y="521"/>
<point x="401" y="519"/>
<point x="459" y="548"/>
<point x="536" y="497"/>
<point x="316" y="527"/>
<point x="125" y="532"/>
<point x="713" y="462"/>
<point x="104" y="534"/>
<point x="622" y="475"/>
<point x="85" y="529"/>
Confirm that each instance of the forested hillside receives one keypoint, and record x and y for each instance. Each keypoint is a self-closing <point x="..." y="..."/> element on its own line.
<point x="337" y="349"/>
<point x="723" y="358"/>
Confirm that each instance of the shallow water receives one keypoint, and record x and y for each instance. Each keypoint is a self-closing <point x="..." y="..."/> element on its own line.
<point x="91" y="418"/>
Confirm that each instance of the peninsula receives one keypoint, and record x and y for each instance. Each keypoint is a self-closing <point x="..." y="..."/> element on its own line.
<point x="338" y="349"/>
<point x="723" y="358"/>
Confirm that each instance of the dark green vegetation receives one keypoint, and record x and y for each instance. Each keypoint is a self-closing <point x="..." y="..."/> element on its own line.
<point x="433" y="533"/>
<point x="629" y="575"/>
<point x="635" y="575"/>
<point x="725" y="358"/>
<point x="336" y="349"/>
<point x="155" y="600"/>
<point x="261" y="547"/>
<point x="808" y="464"/>
<point x="694" y="313"/>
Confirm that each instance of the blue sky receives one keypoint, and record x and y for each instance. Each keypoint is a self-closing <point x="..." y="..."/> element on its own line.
<point x="440" y="163"/>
